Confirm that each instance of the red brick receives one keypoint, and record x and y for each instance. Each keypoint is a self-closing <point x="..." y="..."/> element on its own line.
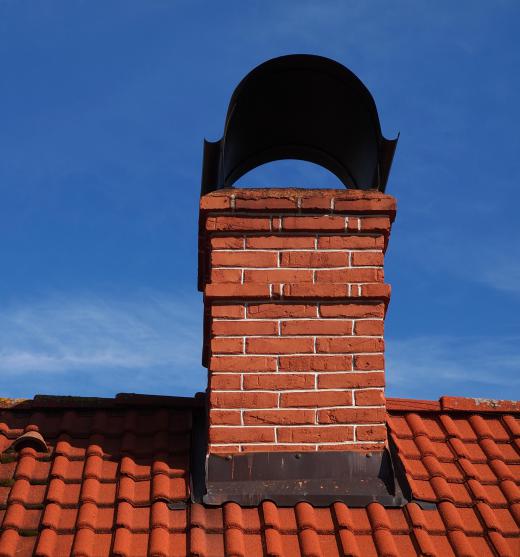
<point x="352" y="224"/>
<point x="232" y="328"/>
<point x="379" y="203"/>
<point x="351" y="275"/>
<point x="214" y="202"/>
<point x="281" y="310"/>
<point x="224" y="382"/>
<point x="371" y="433"/>
<point x="335" y="345"/>
<point x="227" y="242"/>
<point x="323" y="291"/>
<point x="351" y="241"/>
<point x="360" y="448"/>
<point x="227" y="311"/>
<point x="350" y="380"/>
<point x="244" y="259"/>
<point x="351" y="415"/>
<point x="224" y="417"/>
<point x="279" y="417"/>
<point x="367" y="258"/>
<point x="280" y="242"/>
<point x="368" y="362"/>
<point x="243" y="400"/>
<point x="278" y="275"/>
<point x="224" y="449"/>
<point x="317" y="202"/>
<point x="369" y="397"/>
<point x="314" y="259"/>
<point x="315" y="363"/>
<point x="237" y="223"/>
<point x="279" y="345"/>
<point x="352" y="310"/>
<point x="369" y="327"/>
<point x="226" y="275"/>
<point x="241" y="291"/>
<point x="321" y="222"/>
<point x="315" y="434"/>
<point x="242" y="364"/>
<point x="280" y="381"/>
<point x="316" y="327"/>
<point x="280" y="203"/>
<point x="376" y="290"/>
<point x="278" y="447"/>
<point x="241" y="434"/>
<point x="375" y="224"/>
<point x="315" y="399"/>
<point x="227" y="346"/>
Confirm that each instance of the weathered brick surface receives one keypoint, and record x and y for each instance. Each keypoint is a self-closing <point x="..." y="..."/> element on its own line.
<point x="241" y="364"/>
<point x="244" y="328"/>
<point x="315" y="363"/>
<point x="280" y="381"/>
<point x="279" y="417"/>
<point x="227" y="345"/>
<point x="350" y="380"/>
<point x="295" y="301"/>
<point x="315" y="434"/>
<point x="266" y="311"/>
<point x="352" y="310"/>
<point x="315" y="399"/>
<point x="241" y="434"/>
<point x="225" y="417"/>
<point x="278" y="275"/>
<point x="316" y="327"/>
<point x="349" y="345"/>
<point x="280" y="242"/>
<point x="350" y="275"/>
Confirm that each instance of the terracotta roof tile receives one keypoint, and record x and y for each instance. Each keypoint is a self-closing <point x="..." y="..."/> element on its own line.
<point x="115" y="469"/>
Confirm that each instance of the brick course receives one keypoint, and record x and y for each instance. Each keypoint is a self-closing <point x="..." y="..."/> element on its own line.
<point x="294" y="318"/>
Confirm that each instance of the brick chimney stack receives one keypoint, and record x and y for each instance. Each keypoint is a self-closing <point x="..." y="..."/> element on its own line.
<point x="294" y="299"/>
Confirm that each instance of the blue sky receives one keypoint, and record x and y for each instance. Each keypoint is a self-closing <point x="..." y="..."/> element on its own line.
<point x="104" y="107"/>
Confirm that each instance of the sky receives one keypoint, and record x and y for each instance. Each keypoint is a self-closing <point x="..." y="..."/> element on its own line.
<point x="104" y="107"/>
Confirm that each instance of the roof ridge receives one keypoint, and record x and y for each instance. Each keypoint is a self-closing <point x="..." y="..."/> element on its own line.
<point x="453" y="403"/>
<point x="120" y="400"/>
<point x="445" y="403"/>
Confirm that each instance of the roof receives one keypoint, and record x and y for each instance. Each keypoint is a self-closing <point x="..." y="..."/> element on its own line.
<point x="115" y="481"/>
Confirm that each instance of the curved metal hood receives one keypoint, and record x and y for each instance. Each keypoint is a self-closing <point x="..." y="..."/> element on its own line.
<point x="301" y="107"/>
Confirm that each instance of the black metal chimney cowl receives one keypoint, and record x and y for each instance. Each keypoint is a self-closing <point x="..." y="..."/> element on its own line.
<point x="302" y="107"/>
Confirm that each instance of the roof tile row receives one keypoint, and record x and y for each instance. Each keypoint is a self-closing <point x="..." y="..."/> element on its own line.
<point x="113" y="492"/>
<point x="337" y="530"/>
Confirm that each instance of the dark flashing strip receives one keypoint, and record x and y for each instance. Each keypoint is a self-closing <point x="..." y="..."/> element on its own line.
<point x="287" y="478"/>
<point x="128" y="400"/>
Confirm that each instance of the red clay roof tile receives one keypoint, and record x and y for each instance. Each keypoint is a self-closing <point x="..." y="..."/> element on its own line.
<point x="115" y="467"/>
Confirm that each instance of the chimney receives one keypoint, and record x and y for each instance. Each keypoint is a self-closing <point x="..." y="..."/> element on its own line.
<point x="293" y="281"/>
<point x="295" y="300"/>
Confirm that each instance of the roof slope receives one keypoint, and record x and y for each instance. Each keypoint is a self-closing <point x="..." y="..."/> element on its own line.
<point x="115" y="481"/>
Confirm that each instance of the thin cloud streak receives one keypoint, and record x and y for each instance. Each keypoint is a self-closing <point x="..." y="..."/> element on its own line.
<point x="57" y="335"/>
<point x="432" y="366"/>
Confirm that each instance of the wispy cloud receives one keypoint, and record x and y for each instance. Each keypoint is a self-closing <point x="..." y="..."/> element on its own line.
<point x="502" y="273"/>
<point x="147" y="343"/>
<point x="432" y="366"/>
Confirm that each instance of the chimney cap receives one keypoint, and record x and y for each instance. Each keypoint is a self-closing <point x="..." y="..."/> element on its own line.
<point x="304" y="107"/>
